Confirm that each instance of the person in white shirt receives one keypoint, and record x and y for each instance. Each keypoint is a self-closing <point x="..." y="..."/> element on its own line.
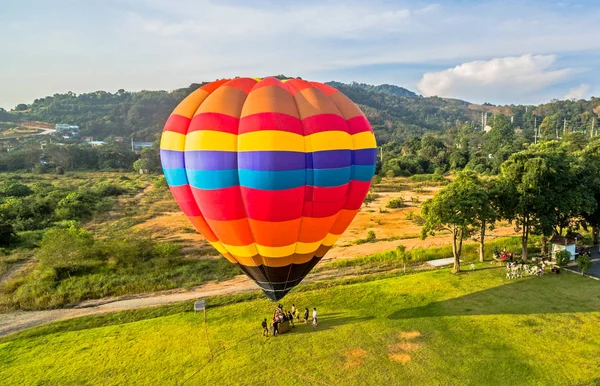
<point x="314" y="322"/>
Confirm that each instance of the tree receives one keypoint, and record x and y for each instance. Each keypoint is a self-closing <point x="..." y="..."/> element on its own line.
<point x="583" y="263"/>
<point x="21" y="107"/>
<point x="65" y="250"/>
<point x="7" y="233"/>
<point x="455" y="208"/>
<point x="542" y="191"/>
<point x="401" y="255"/>
<point x="487" y="213"/>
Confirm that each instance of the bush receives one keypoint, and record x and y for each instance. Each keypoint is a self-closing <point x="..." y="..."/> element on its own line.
<point x="59" y="170"/>
<point x="583" y="262"/>
<point x="7" y="234"/>
<point x="395" y="203"/>
<point x="371" y="238"/>
<point x="563" y="258"/>
<point x="371" y="196"/>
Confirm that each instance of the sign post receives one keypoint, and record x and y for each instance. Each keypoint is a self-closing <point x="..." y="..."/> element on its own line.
<point x="200" y="305"/>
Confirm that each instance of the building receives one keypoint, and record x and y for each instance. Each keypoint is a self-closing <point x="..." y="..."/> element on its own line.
<point x="60" y="127"/>
<point x="96" y="143"/>
<point x="567" y="242"/>
<point x="88" y="139"/>
<point x="138" y="146"/>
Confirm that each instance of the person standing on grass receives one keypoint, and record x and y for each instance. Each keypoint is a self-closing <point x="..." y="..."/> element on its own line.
<point x="265" y="328"/>
<point x="294" y="311"/>
<point x="314" y="322"/>
<point x="306" y="316"/>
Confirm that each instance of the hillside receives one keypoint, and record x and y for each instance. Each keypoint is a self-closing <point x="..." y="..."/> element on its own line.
<point x="395" y="112"/>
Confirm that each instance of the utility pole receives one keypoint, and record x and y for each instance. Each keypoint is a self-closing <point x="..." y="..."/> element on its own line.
<point x="565" y="126"/>
<point x="381" y="154"/>
<point x="535" y="133"/>
<point x="592" y="131"/>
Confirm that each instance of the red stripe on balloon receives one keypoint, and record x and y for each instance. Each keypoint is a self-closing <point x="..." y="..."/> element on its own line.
<point x="328" y="90"/>
<point x="214" y="122"/>
<point x="244" y="84"/>
<point x="270" y="121"/>
<point x="357" y="191"/>
<point x="358" y="125"/>
<point x="297" y="85"/>
<point x="270" y="82"/>
<point x="201" y="226"/>
<point x="220" y="204"/>
<point x="177" y="123"/>
<point x="273" y="205"/>
<point x="185" y="199"/>
<point x="324" y="122"/>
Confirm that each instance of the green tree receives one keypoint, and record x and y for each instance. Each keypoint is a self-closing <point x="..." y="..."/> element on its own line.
<point x="65" y="250"/>
<point x="7" y="233"/>
<point x="455" y="208"/>
<point x="401" y="255"/>
<point x="21" y="107"/>
<point x="583" y="263"/>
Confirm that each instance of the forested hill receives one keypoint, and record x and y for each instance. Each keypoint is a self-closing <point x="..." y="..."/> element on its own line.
<point x="395" y="113"/>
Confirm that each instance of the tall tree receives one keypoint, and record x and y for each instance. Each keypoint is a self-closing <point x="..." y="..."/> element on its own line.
<point x="455" y="209"/>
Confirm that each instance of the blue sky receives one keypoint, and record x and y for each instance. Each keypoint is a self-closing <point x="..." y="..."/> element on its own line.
<point x="481" y="51"/>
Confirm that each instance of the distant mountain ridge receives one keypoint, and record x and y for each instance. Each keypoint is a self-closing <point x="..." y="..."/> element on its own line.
<point x="384" y="88"/>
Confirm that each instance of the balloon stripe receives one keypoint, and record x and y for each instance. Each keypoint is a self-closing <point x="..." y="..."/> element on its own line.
<point x="359" y="125"/>
<point x="177" y="123"/>
<point x="175" y="177"/>
<point x="172" y="141"/>
<point x="210" y="140"/>
<point x="210" y="160"/>
<point x="185" y="199"/>
<point x="365" y="156"/>
<point x="270" y="99"/>
<point x="189" y="105"/>
<point x="270" y="121"/>
<point x="324" y="123"/>
<point x="272" y="180"/>
<point x="214" y="122"/>
<point x="172" y="159"/>
<point x="213" y="179"/>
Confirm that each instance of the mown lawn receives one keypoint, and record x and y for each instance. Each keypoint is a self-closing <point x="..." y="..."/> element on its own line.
<point x="425" y="328"/>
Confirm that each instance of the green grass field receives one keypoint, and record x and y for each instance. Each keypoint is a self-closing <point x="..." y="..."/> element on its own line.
<point x="425" y="328"/>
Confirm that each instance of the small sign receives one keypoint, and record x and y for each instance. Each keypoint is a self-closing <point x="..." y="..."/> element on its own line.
<point x="200" y="305"/>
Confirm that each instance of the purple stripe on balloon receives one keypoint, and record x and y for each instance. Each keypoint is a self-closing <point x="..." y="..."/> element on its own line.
<point x="172" y="159"/>
<point x="330" y="159"/>
<point x="211" y="160"/>
<point x="267" y="160"/>
<point x="271" y="160"/>
<point x="365" y="157"/>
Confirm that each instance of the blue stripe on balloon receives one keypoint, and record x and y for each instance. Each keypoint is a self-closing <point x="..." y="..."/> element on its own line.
<point x="175" y="177"/>
<point x="363" y="172"/>
<point x="213" y="179"/>
<point x="271" y="160"/>
<point x="329" y="177"/>
<point x="272" y="180"/>
<point x="329" y="159"/>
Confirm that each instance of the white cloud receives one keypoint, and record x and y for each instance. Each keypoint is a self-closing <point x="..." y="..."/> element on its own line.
<point x="512" y="75"/>
<point x="580" y="92"/>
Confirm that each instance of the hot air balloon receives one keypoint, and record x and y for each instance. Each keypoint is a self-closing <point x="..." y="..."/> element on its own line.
<point x="271" y="172"/>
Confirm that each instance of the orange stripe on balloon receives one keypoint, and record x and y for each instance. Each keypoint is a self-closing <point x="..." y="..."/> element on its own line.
<point x="270" y="99"/>
<point x="233" y="232"/>
<point x="343" y="220"/>
<point x="201" y="226"/>
<point x="311" y="101"/>
<point x="212" y="86"/>
<point x="266" y="82"/>
<point x="224" y="100"/>
<point x="347" y="108"/>
<point x="315" y="229"/>
<point x="327" y="90"/>
<point x="297" y="85"/>
<point x="275" y="233"/>
<point x="187" y="106"/>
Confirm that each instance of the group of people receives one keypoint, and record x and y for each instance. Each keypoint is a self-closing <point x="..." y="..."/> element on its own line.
<point x="280" y="315"/>
<point x="504" y="255"/>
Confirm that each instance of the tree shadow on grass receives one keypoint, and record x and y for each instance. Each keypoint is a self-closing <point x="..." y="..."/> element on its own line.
<point x="327" y="322"/>
<point x="532" y="295"/>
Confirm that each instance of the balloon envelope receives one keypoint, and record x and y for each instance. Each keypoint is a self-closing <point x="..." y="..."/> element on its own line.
<point x="271" y="172"/>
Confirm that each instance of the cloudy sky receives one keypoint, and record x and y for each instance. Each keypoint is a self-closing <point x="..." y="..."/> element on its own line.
<point x="481" y="51"/>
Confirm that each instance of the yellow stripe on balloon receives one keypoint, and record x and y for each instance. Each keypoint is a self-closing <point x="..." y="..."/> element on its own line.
<point x="364" y="140"/>
<point x="270" y="140"/>
<point x="171" y="140"/>
<point x="276" y="251"/>
<point x="242" y="250"/>
<point x="328" y="140"/>
<point x="211" y="140"/>
<point x="219" y="247"/>
<point x="330" y="239"/>
<point x="307" y="247"/>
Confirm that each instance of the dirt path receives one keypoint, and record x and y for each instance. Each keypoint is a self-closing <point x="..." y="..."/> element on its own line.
<point x="21" y="320"/>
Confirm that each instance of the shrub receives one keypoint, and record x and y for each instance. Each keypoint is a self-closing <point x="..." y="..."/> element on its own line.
<point x="583" y="262"/>
<point x="563" y="257"/>
<point x="415" y="200"/>
<point x="395" y="203"/>
<point x="59" y="170"/>
<point x="371" y="196"/>
<point x="7" y="234"/>
<point x="371" y="236"/>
